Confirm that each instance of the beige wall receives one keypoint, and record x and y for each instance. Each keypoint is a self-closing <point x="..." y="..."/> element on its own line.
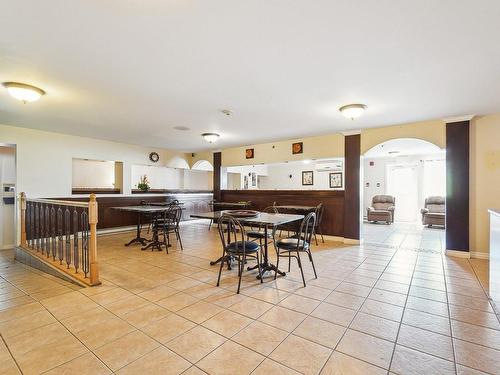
<point x="431" y="131"/>
<point x="44" y="159"/>
<point x="484" y="178"/>
<point x="326" y="146"/>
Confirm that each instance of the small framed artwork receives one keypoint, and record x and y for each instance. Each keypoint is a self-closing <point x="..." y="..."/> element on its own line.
<point x="254" y="179"/>
<point x="249" y="153"/>
<point x="297" y="148"/>
<point x="307" y="178"/>
<point x="336" y="180"/>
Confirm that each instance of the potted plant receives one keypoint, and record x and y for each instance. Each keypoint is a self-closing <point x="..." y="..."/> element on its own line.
<point x="143" y="183"/>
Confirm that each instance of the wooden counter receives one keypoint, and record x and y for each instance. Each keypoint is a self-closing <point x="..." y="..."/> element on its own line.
<point x="494" y="287"/>
<point x="333" y="201"/>
<point x="109" y="218"/>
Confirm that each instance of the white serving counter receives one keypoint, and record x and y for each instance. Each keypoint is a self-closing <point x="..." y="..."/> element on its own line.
<point x="494" y="287"/>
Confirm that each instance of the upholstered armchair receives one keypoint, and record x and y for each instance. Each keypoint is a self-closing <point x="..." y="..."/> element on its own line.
<point x="434" y="211"/>
<point x="382" y="209"/>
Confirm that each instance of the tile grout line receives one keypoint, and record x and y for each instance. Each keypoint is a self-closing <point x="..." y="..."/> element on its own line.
<point x="12" y="356"/>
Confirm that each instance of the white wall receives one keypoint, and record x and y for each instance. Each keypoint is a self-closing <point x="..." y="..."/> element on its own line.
<point x="7" y="214"/>
<point x="198" y="179"/>
<point x="93" y="174"/>
<point x="377" y="174"/>
<point x="44" y="159"/>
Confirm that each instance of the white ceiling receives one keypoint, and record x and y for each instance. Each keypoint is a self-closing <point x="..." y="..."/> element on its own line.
<point x="403" y="147"/>
<point x="132" y="70"/>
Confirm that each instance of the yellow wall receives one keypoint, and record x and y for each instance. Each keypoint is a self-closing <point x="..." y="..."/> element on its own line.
<point x="431" y="131"/>
<point x="320" y="147"/>
<point x="484" y="178"/>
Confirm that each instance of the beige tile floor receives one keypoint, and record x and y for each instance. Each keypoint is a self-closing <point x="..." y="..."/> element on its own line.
<point x="373" y="310"/>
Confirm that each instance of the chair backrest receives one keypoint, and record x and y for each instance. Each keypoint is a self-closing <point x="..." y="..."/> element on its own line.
<point x="230" y="229"/>
<point x="435" y="204"/>
<point x="319" y="214"/>
<point x="270" y="210"/>
<point x="383" y="202"/>
<point x="307" y="228"/>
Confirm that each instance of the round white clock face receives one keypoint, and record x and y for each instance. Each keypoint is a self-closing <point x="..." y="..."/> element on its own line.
<point x="154" y="157"/>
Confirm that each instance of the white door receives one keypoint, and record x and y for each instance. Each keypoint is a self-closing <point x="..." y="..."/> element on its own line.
<point x="402" y="184"/>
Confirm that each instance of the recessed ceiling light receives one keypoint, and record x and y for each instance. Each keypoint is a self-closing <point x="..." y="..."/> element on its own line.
<point x="210" y="137"/>
<point x="24" y="92"/>
<point x="182" y="128"/>
<point x="353" y="111"/>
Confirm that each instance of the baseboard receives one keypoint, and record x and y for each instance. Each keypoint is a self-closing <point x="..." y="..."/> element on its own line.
<point x="479" y="255"/>
<point x="458" y="254"/>
<point x="333" y="238"/>
<point x="101" y="232"/>
<point x="7" y="247"/>
<point x="351" y="241"/>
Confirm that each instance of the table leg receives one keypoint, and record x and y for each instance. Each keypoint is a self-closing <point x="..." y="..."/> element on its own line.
<point x="155" y="242"/>
<point x="138" y="238"/>
<point x="265" y="265"/>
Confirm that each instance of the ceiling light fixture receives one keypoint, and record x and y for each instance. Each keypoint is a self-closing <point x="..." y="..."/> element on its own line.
<point x="23" y="92"/>
<point x="352" y="111"/>
<point x="210" y="137"/>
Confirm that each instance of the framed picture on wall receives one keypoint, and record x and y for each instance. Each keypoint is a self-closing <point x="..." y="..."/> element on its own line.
<point x="297" y="148"/>
<point x="336" y="180"/>
<point x="249" y="153"/>
<point x="307" y="178"/>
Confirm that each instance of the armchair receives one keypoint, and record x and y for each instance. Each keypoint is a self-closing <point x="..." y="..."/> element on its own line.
<point x="434" y="211"/>
<point x="382" y="209"/>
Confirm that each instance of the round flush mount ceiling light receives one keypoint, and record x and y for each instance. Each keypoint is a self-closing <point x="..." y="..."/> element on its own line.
<point x="210" y="137"/>
<point x="352" y="111"/>
<point x="23" y="92"/>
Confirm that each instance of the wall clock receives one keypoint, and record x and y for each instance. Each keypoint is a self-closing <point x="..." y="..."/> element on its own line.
<point x="154" y="157"/>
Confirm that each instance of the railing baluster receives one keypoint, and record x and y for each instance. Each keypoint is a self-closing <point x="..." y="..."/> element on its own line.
<point x="67" y="231"/>
<point x="47" y="230"/>
<point x="53" y="231"/>
<point x="37" y="227"/>
<point x="85" y="242"/>
<point x="60" y="234"/>
<point x="76" y="257"/>
<point x="42" y="229"/>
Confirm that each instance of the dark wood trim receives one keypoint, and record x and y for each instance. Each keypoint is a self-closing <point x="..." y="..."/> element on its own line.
<point x="217" y="175"/>
<point x="109" y="218"/>
<point x="352" y="192"/>
<point x="457" y="186"/>
<point x="333" y="201"/>
<point x="95" y="191"/>
<point x="170" y="191"/>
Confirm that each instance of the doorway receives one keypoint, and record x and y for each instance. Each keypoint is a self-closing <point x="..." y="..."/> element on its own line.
<point x="409" y="171"/>
<point x="7" y="196"/>
<point x="402" y="184"/>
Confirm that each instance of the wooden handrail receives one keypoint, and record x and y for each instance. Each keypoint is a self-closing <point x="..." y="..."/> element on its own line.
<point x="64" y="239"/>
<point x="59" y="202"/>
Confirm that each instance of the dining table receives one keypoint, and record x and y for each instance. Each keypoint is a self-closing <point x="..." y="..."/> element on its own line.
<point x="263" y="219"/>
<point x="142" y="210"/>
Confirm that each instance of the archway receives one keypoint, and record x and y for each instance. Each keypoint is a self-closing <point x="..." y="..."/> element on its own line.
<point x="203" y="165"/>
<point x="400" y="177"/>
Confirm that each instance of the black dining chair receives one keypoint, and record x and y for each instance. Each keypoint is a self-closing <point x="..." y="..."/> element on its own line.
<point x="259" y="232"/>
<point x="234" y="245"/>
<point x="169" y="223"/>
<point x="291" y="247"/>
<point x="317" y="224"/>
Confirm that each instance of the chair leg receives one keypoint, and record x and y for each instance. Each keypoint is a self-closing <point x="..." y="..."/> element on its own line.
<point x="210" y="225"/>
<point x="312" y="262"/>
<point x="220" y="268"/>
<point x="277" y="264"/>
<point x="241" y="265"/>
<point x="301" y="270"/>
<point x="315" y="238"/>
<point x="321" y="233"/>
<point x="179" y="238"/>
<point x="289" y="263"/>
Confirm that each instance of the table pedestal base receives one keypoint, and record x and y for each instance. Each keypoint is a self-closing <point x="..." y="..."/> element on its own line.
<point x="265" y="267"/>
<point x="143" y="241"/>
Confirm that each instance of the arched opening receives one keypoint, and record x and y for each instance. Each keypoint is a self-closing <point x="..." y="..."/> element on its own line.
<point x="203" y="165"/>
<point x="403" y="194"/>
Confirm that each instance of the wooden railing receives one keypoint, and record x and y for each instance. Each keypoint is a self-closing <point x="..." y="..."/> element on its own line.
<point x="63" y="235"/>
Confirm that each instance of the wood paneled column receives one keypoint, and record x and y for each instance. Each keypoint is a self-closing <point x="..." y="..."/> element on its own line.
<point x="217" y="175"/>
<point x="457" y="186"/>
<point x="352" y="193"/>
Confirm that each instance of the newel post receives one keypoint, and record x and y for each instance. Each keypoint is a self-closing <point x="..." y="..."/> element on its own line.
<point x="94" y="265"/>
<point x="22" y="207"/>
